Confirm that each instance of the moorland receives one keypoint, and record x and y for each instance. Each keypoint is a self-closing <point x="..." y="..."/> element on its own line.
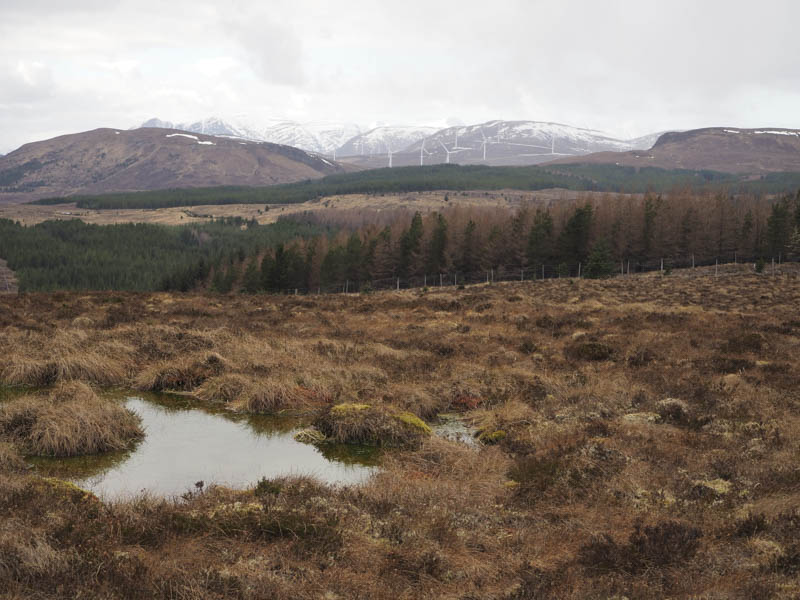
<point x="636" y="437"/>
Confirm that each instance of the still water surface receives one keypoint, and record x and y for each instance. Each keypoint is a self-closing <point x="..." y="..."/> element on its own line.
<point x="186" y="442"/>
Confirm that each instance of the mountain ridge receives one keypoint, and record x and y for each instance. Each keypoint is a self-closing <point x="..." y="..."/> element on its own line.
<point x="726" y="149"/>
<point x="322" y="137"/>
<point x="503" y="143"/>
<point x="520" y="142"/>
<point x="110" y="160"/>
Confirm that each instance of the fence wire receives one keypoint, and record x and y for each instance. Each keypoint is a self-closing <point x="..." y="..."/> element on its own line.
<point x="682" y="268"/>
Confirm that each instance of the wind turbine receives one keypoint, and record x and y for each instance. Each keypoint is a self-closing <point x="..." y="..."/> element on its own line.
<point x="456" y="147"/>
<point x="421" y="150"/>
<point x="446" y="151"/>
<point x="389" y="152"/>
<point x="484" y="144"/>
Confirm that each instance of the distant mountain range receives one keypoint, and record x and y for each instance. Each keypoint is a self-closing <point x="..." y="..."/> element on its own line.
<point x="382" y="140"/>
<point x="319" y="136"/>
<point x="728" y="149"/>
<point x="493" y="142"/>
<point x="504" y="143"/>
<point x="112" y="160"/>
<point x="157" y="157"/>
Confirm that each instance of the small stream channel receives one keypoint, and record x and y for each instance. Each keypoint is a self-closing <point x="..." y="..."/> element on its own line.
<point x="187" y="442"/>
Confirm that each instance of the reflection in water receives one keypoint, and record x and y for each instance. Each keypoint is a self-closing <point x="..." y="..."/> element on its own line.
<point x="452" y="427"/>
<point x="186" y="442"/>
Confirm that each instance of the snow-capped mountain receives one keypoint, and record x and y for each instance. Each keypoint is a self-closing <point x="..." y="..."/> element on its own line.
<point x="493" y="143"/>
<point x="532" y="141"/>
<point x="319" y="136"/>
<point x="210" y="126"/>
<point x="381" y="140"/>
<point x="504" y="143"/>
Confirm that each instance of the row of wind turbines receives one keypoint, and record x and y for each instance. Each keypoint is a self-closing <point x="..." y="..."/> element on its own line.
<point x="484" y="143"/>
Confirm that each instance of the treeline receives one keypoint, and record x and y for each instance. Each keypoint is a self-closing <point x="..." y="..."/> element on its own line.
<point x="373" y="181"/>
<point x="318" y="250"/>
<point x="444" y="177"/>
<point x="73" y="255"/>
<point x="598" y="233"/>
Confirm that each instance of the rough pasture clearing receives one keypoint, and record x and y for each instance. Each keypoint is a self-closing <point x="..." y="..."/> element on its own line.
<point x="30" y="214"/>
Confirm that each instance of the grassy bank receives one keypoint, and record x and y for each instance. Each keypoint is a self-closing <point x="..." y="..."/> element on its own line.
<point x="638" y="438"/>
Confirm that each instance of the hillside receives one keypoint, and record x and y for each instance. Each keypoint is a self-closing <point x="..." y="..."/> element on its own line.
<point x="441" y="177"/>
<point x="731" y="150"/>
<point x="108" y="160"/>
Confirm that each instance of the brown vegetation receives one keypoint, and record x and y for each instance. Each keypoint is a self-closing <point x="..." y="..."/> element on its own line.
<point x="638" y="438"/>
<point x="108" y="160"/>
<point x="70" y="422"/>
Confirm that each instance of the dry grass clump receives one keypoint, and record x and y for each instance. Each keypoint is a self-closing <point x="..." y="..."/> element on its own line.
<point x="10" y="460"/>
<point x="29" y="559"/>
<point x="78" y="365"/>
<point x="373" y="425"/>
<point x="225" y="388"/>
<point x="271" y="396"/>
<point x="72" y="391"/>
<point x="65" y="356"/>
<point x="71" y="422"/>
<point x="181" y="375"/>
<point x="264" y="396"/>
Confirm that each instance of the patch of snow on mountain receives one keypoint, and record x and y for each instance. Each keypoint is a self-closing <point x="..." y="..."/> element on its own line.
<point x="774" y="132"/>
<point x="384" y="139"/>
<point x="186" y="135"/>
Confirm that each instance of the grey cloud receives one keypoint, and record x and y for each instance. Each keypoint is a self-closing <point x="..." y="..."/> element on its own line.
<point x="623" y="65"/>
<point x="25" y="82"/>
<point x="273" y="52"/>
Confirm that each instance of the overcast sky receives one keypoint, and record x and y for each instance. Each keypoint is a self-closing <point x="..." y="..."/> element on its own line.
<point x="627" y="67"/>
